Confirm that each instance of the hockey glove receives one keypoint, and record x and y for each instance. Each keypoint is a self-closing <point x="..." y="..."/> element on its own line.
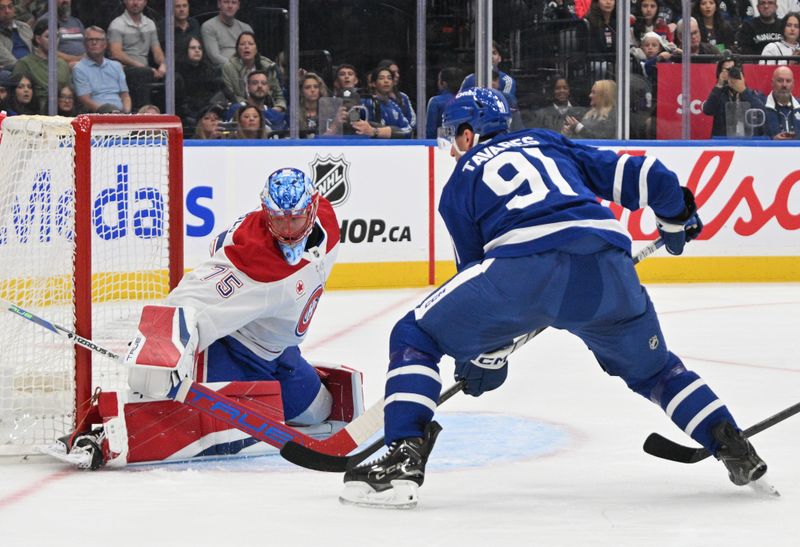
<point x="678" y="230"/>
<point x="481" y="375"/>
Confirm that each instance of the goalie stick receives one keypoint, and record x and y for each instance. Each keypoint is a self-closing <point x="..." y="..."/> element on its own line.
<point x="318" y="455"/>
<point x="661" y="447"/>
<point x="202" y="398"/>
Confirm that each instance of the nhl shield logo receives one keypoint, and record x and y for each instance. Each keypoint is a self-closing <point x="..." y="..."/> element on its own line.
<point x="331" y="178"/>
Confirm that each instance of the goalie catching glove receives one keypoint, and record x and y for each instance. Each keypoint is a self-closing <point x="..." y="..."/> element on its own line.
<point x="676" y="231"/>
<point x="163" y="351"/>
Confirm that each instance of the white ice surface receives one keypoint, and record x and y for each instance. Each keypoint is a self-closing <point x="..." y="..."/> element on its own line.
<point x="599" y="488"/>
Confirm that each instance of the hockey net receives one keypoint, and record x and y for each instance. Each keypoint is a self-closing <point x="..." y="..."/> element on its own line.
<point x="90" y="231"/>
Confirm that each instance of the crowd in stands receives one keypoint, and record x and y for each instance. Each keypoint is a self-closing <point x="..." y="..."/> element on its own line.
<point x="227" y="88"/>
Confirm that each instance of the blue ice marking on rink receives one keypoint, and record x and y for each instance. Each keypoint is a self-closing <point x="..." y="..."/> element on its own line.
<point x="468" y="440"/>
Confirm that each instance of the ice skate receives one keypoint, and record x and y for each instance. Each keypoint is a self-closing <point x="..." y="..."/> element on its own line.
<point x="738" y="455"/>
<point x="84" y="451"/>
<point x="392" y="480"/>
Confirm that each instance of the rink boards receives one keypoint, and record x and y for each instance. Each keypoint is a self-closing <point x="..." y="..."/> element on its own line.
<point x="385" y="195"/>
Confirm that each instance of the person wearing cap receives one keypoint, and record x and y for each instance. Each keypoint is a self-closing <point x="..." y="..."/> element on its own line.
<point x="208" y="124"/>
<point x="99" y="81"/>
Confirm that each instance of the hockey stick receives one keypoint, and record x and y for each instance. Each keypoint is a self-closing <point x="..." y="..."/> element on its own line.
<point x="318" y="456"/>
<point x="202" y="398"/>
<point x="661" y="447"/>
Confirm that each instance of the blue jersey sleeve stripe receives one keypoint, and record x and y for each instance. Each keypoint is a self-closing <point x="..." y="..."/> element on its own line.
<point x="618" y="176"/>
<point x="532" y="233"/>
<point x="644" y="173"/>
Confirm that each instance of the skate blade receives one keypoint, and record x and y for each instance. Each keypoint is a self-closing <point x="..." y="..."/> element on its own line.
<point x="78" y="458"/>
<point x="402" y="495"/>
<point x="764" y="488"/>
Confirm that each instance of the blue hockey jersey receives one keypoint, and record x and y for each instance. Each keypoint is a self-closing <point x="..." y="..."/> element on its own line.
<point x="533" y="190"/>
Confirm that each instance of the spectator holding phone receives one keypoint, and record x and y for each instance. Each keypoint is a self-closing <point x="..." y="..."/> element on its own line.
<point x="731" y="88"/>
<point x="781" y="109"/>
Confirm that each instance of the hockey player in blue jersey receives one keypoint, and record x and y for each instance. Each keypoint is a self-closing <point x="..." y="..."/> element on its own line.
<point x="535" y="248"/>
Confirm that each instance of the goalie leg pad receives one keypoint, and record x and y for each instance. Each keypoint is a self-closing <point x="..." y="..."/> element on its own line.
<point x="163" y="350"/>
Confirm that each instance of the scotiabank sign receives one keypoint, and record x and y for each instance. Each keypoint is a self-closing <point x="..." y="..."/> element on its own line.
<point x="747" y="197"/>
<point x="703" y="76"/>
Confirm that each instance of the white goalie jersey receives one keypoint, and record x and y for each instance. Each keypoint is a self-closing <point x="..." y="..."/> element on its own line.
<point x="248" y="291"/>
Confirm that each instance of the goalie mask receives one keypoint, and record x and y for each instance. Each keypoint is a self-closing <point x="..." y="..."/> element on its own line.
<point x="290" y="201"/>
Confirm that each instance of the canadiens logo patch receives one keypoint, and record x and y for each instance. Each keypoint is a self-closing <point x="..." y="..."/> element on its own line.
<point x="308" y="312"/>
<point x="331" y="178"/>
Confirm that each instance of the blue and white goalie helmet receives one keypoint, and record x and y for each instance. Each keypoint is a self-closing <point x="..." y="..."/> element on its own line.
<point x="485" y="110"/>
<point x="290" y="201"/>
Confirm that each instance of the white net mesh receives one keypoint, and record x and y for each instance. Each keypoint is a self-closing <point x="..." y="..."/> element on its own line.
<point x="130" y="262"/>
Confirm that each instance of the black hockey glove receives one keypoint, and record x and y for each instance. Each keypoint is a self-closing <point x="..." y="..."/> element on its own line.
<point x="678" y="230"/>
<point x="478" y="378"/>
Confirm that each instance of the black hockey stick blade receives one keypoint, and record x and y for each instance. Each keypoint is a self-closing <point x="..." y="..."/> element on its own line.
<point x="319" y="461"/>
<point x="661" y="447"/>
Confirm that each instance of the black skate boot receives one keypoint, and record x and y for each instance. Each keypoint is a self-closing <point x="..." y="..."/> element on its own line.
<point x="393" y="479"/>
<point x="738" y="455"/>
<point x="86" y="448"/>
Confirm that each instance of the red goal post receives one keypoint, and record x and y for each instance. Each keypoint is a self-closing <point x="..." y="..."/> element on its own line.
<point x="91" y="229"/>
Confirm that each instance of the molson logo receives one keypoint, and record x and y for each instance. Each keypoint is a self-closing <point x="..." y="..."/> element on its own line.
<point x="743" y="198"/>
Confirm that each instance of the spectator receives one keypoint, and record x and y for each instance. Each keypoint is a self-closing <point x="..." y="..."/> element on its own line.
<point x="186" y="27"/>
<point x="5" y="85"/>
<point x="714" y="29"/>
<point x="398" y="96"/>
<point x="21" y="98"/>
<point x="782" y="110"/>
<point x="200" y="83"/>
<point x="243" y="62"/>
<point x="30" y="10"/>
<point x="16" y="37"/>
<point x="730" y="89"/>
<point x="670" y="11"/>
<point x="67" y="106"/>
<point x="346" y="77"/>
<point x="384" y="118"/>
<point x="209" y="124"/>
<point x="250" y="123"/>
<point x="789" y="45"/>
<point x="259" y="95"/>
<point x="696" y="44"/>
<point x="600" y="122"/>
<point x="70" y="33"/>
<point x="149" y="109"/>
<point x="785" y="7"/>
<point x="99" y="81"/>
<point x="132" y="37"/>
<point x="755" y="34"/>
<point x="34" y="65"/>
<point x="553" y="116"/>
<point x="221" y="33"/>
<point x="647" y="20"/>
<point x="507" y="85"/>
<point x="448" y="82"/>
<point x="602" y="19"/>
<point x="312" y="87"/>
